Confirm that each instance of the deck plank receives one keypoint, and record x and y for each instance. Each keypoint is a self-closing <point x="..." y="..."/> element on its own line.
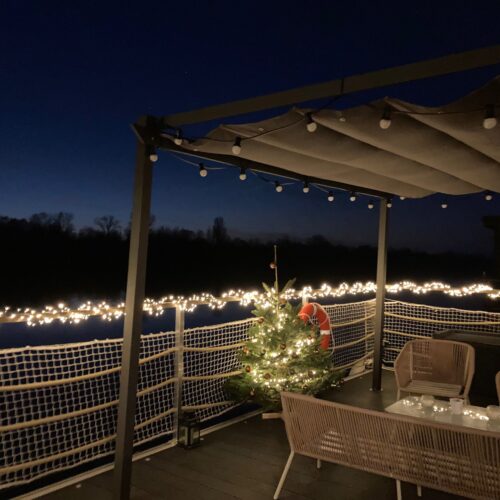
<point x="244" y="461"/>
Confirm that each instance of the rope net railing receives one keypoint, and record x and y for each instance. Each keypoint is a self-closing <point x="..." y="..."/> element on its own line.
<point x="405" y="321"/>
<point x="352" y="332"/>
<point x="59" y="403"/>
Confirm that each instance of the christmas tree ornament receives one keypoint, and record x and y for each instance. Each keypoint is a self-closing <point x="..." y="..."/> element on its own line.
<point x="248" y="368"/>
<point x="282" y="346"/>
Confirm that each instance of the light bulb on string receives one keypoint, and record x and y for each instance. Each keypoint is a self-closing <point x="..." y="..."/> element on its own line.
<point x="402" y="198"/>
<point x="178" y="137"/>
<point x="389" y="203"/>
<point x="203" y="171"/>
<point x="153" y="155"/>
<point x="352" y="196"/>
<point x="278" y="187"/>
<point x="490" y="120"/>
<point x="488" y="196"/>
<point x="444" y="204"/>
<point x="311" y="125"/>
<point x="385" y="121"/>
<point x="330" y="196"/>
<point x="243" y="174"/>
<point x="370" y="205"/>
<point x="305" y="188"/>
<point x="236" y="149"/>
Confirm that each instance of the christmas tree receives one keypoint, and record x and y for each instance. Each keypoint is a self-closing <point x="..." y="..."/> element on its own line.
<point x="282" y="354"/>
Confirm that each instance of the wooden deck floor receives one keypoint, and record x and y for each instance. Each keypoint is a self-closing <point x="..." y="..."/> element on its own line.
<point x="244" y="461"/>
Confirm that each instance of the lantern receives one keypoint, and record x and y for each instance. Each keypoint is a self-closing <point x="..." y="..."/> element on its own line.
<point x="189" y="431"/>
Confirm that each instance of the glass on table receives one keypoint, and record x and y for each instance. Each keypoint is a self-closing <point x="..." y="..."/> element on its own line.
<point x="493" y="413"/>
<point x="456" y="406"/>
<point x="427" y="400"/>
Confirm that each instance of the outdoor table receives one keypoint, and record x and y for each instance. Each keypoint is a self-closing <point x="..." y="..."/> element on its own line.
<point x="472" y="416"/>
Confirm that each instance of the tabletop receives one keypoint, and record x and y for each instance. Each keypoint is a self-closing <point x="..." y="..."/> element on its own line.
<point x="472" y="416"/>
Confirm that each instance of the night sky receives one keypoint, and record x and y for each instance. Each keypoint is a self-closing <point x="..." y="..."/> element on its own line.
<point x="74" y="75"/>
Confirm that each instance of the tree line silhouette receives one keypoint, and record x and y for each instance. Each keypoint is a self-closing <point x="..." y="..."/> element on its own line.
<point x="46" y="259"/>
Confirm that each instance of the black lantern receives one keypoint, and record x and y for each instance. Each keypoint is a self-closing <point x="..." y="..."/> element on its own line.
<point x="189" y="431"/>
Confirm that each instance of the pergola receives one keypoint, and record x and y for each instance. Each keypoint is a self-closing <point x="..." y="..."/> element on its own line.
<point x="427" y="150"/>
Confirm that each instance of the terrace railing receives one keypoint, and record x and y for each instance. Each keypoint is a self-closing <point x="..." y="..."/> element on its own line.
<point x="58" y="403"/>
<point x="406" y="321"/>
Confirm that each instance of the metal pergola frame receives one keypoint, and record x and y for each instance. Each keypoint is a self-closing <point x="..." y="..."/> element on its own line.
<point x="148" y="131"/>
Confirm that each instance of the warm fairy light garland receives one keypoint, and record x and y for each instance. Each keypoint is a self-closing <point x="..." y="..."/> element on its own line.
<point x="152" y="307"/>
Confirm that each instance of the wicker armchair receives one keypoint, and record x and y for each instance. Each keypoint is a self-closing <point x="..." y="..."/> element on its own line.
<point x="497" y="380"/>
<point x="437" y="367"/>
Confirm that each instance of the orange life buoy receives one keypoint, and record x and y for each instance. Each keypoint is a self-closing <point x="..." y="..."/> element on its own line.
<point x="311" y="310"/>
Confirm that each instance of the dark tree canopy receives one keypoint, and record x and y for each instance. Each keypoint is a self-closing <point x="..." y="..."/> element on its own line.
<point x="46" y="259"/>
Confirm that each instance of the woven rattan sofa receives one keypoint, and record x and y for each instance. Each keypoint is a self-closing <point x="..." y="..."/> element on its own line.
<point x="451" y="458"/>
<point x="437" y="367"/>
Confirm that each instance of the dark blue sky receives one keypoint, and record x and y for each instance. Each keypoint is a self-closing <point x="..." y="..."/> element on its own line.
<point x="73" y="75"/>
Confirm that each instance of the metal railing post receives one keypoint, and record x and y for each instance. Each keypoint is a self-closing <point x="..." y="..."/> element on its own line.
<point x="178" y="366"/>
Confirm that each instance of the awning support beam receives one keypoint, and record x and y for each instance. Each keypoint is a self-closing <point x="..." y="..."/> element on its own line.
<point x="452" y="63"/>
<point x="380" y="296"/>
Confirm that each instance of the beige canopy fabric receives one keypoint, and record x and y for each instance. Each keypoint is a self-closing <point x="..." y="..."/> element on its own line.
<point x="424" y="151"/>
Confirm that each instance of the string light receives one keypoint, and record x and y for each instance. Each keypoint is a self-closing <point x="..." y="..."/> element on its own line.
<point x="153" y="155"/>
<point x="178" y="137"/>
<point x="370" y="205"/>
<point x="490" y="120"/>
<point x="385" y="121"/>
<point x="488" y="196"/>
<point x="156" y="308"/>
<point x="311" y="125"/>
<point x="236" y="149"/>
<point x="203" y="171"/>
<point x="444" y="204"/>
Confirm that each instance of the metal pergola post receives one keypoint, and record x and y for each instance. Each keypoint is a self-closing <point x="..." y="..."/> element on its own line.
<point x="380" y="296"/>
<point x="132" y="330"/>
